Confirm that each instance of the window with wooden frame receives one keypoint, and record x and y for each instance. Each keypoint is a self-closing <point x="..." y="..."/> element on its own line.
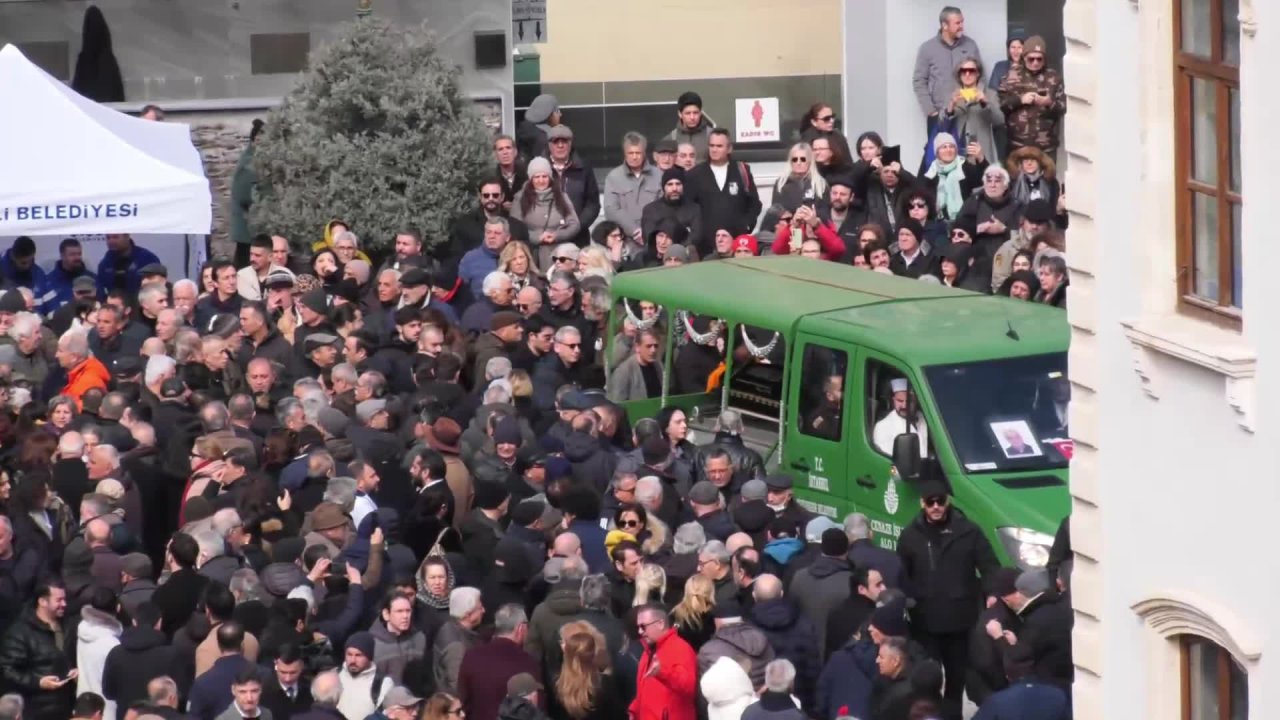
<point x="1208" y="205"/>
<point x="1214" y="686"/>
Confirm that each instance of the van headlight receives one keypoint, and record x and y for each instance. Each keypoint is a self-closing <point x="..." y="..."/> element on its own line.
<point x="1029" y="548"/>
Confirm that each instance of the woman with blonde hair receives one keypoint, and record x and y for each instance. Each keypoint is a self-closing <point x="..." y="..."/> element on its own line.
<point x="802" y="184"/>
<point x="206" y="467"/>
<point x="692" y="617"/>
<point x="522" y="394"/>
<point x="516" y="260"/>
<point x="443" y="706"/>
<point x="594" y="260"/>
<point x="651" y="585"/>
<point x="584" y="686"/>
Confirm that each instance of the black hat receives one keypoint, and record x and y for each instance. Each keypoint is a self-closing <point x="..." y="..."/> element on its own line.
<point x="154" y="268"/>
<point x="689" y="98"/>
<point x="914" y="226"/>
<point x="672" y="173"/>
<point x="362" y="641"/>
<point x="844" y="179"/>
<point x="835" y="543"/>
<point x="967" y="223"/>
<point x="507" y="432"/>
<point x="348" y="290"/>
<point x="415" y="277"/>
<point x="665" y="145"/>
<point x="490" y="495"/>
<point x="279" y="278"/>
<point x="172" y="388"/>
<point x="445" y="278"/>
<point x="13" y="302"/>
<point x="527" y="513"/>
<point x="24" y="247"/>
<point x="1003" y="581"/>
<point x="779" y="482"/>
<point x="126" y="366"/>
<point x="934" y="487"/>
<point x="315" y="300"/>
<point x="1038" y="211"/>
<point x="890" y="620"/>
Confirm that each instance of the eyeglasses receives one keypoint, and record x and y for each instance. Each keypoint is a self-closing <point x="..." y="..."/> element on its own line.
<point x="704" y="562"/>
<point x="563" y="259"/>
<point x="827" y="118"/>
<point x="968" y="71"/>
<point x="572" y="346"/>
<point x="992" y="178"/>
<point x="522" y="306"/>
<point x="918" y="205"/>
<point x="557" y="141"/>
<point x="1032" y="59"/>
<point x="645" y="625"/>
<point x="936" y="501"/>
<point x="629" y="523"/>
<point x="799" y="159"/>
<point x="490" y="196"/>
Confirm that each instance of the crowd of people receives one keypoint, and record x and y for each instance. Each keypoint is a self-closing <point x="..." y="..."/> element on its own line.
<point x="316" y="483"/>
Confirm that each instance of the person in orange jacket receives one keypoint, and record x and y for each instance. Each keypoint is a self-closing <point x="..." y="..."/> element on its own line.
<point x="667" y="679"/>
<point x="84" y="371"/>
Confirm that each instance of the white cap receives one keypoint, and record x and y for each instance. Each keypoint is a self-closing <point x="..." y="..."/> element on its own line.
<point x="898" y="385"/>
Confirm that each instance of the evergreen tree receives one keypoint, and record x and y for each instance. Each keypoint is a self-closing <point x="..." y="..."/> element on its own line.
<point x="377" y="133"/>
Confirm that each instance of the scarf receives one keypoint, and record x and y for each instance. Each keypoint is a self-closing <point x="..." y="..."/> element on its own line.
<point x="1027" y="188"/>
<point x="437" y="602"/>
<point x="950" y="197"/>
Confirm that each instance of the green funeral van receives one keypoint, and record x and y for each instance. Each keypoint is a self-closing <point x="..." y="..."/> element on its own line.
<point x="843" y="375"/>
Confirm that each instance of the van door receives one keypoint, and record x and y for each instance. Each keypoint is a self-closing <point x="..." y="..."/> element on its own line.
<point x="818" y="423"/>
<point x="888" y="501"/>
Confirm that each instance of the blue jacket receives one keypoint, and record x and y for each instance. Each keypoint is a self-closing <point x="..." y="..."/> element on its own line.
<point x="844" y="688"/>
<point x="592" y="537"/>
<point x="138" y="258"/>
<point x="473" y="266"/>
<point x="54" y="289"/>
<point x="10" y="273"/>
<point x="1027" y="699"/>
<point x="211" y="692"/>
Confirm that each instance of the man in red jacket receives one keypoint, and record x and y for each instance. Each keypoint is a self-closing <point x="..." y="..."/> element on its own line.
<point x="667" y="678"/>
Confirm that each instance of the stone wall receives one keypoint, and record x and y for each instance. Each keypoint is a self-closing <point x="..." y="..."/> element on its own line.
<point x="220" y="137"/>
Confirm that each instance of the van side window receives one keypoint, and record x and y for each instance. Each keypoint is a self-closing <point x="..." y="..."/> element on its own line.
<point x="822" y="392"/>
<point x="699" y="352"/>
<point x="889" y="399"/>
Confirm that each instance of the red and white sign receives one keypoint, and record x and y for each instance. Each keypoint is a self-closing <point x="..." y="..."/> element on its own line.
<point x="757" y="120"/>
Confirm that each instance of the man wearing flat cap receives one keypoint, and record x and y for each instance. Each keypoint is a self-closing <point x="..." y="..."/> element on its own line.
<point x="321" y="351"/>
<point x="901" y="419"/>
<point x="782" y="500"/>
<point x="504" y="336"/>
<point x="576" y="179"/>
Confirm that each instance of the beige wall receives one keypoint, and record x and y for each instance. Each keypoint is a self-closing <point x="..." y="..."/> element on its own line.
<point x="719" y="38"/>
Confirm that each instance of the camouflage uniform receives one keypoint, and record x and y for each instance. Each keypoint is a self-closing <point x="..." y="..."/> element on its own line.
<point x="1032" y="124"/>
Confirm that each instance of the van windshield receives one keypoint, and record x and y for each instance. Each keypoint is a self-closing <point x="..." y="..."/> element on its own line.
<point x="1005" y="415"/>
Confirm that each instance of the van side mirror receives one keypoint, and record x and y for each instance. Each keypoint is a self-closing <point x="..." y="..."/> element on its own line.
<point x="906" y="455"/>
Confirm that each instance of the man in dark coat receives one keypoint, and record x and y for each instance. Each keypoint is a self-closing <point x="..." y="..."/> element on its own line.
<point x="178" y="596"/>
<point x="1044" y="623"/>
<point x="726" y="192"/>
<point x="864" y="553"/>
<point x="943" y="553"/>
<point x="1027" y="697"/>
<point x="790" y="633"/>
<point x="211" y="692"/>
<point x="672" y="205"/>
<point x="34" y="660"/>
<point x="144" y="654"/>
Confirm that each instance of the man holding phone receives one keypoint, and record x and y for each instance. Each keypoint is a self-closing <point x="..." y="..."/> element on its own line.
<point x="33" y="658"/>
<point x="1034" y="100"/>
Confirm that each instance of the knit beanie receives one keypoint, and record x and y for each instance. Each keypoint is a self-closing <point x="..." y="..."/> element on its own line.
<point x="539" y="166"/>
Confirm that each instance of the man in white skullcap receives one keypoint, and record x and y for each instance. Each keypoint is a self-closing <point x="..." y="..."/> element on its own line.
<point x="896" y="422"/>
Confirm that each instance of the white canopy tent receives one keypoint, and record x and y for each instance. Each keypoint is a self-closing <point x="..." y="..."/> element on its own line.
<point x="74" y="167"/>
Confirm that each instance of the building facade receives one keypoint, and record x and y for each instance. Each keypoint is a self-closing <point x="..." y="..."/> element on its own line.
<point x="1174" y="580"/>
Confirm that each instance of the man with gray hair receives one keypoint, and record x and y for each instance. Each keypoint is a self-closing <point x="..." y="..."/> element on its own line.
<point x="482" y="679"/>
<point x="456" y="637"/>
<point x="630" y="186"/>
<point x="27" y="359"/>
<point x="563" y="604"/>
<point x="84" y="372"/>
<point x="776" y="702"/>
<point x="864" y="553"/>
<point x="497" y="293"/>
